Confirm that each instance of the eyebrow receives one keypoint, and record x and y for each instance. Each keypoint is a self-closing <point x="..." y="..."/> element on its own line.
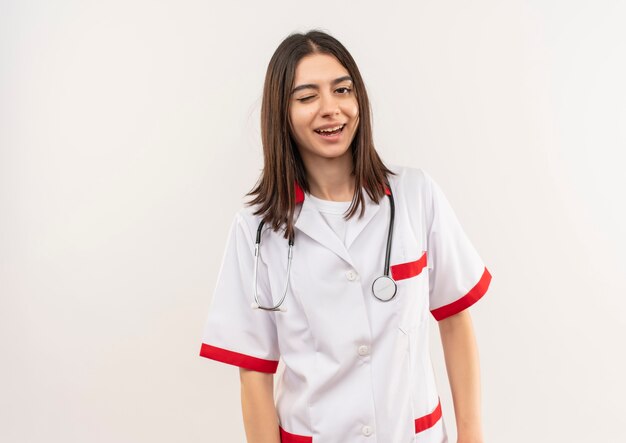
<point x="314" y="86"/>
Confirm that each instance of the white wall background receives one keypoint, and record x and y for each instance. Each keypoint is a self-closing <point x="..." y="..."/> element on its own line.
<point x="129" y="133"/>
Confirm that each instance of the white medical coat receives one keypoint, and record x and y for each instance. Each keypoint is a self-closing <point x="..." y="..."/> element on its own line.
<point x="355" y="369"/>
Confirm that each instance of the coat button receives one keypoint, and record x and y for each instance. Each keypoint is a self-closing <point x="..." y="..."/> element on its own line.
<point x="351" y="275"/>
<point x="367" y="430"/>
<point x="364" y="350"/>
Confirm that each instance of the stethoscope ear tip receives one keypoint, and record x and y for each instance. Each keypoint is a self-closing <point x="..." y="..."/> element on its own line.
<point x="282" y="309"/>
<point x="253" y="305"/>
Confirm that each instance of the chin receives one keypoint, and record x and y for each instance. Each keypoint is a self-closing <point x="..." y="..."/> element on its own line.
<point x="335" y="153"/>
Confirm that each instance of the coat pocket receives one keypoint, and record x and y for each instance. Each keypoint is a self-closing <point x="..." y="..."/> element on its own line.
<point x="427" y="414"/>
<point x="412" y="294"/>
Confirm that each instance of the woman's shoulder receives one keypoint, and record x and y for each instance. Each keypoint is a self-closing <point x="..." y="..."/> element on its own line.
<point x="412" y="177"/>
<point x="246" y="215"/>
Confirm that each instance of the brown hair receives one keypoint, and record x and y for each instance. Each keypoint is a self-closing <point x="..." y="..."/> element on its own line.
<point x="283" y="167"/>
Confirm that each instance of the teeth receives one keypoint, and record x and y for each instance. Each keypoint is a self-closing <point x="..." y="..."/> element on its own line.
<point x="329" y="130"/>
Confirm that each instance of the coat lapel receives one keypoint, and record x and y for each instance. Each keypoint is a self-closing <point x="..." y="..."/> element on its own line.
<point x="313" y="224"/>
<point x="371" y="209"/>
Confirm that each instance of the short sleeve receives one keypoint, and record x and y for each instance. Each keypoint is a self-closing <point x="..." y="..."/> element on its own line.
<point x="458" y="277"/>
<point x="234" y="332"/>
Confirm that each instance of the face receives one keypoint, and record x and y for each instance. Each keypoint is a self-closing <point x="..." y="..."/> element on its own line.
<point x="322" y="99"/>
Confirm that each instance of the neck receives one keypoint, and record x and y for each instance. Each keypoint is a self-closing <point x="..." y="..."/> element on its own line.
<point x="331" y="179"/>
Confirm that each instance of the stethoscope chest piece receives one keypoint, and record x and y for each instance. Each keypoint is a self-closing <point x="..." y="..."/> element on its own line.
<point x="384" y="288"/>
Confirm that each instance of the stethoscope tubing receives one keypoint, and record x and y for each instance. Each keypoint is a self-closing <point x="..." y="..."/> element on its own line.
<point x="278" y="307"/>
<point x="392" y="214"/>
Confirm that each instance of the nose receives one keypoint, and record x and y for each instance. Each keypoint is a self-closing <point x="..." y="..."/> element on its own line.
<point x="329" y="104"/>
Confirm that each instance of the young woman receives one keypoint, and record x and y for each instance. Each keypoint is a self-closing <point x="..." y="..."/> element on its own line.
<point x="332" y="269"/>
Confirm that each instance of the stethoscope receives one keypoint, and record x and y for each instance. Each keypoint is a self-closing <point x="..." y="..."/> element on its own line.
<point x="384" y="287"/>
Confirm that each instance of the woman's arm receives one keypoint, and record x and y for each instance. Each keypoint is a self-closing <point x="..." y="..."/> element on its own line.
<point x="461" y="356"/>
<point x="257" y="405"/>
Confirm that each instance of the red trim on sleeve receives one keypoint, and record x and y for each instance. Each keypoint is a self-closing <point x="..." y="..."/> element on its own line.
<point x="286" y="437"/>
<point x="466" y="301"/>
<point x="237" y="359"/>
<point x="409" y="269"/>
<point x="428" y="421"/>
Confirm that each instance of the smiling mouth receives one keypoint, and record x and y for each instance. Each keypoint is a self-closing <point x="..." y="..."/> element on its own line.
<point x="329" y="133"/>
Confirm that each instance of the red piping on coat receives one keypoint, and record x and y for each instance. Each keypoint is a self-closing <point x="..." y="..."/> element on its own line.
<point x="428" y="421"/>
<point x="408" y="269"/>
<point x="286" y="437"/>
<point x="300" y="192"/>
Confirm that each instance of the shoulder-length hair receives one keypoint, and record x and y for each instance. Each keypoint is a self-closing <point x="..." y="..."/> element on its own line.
<point x="283" y="168"/>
